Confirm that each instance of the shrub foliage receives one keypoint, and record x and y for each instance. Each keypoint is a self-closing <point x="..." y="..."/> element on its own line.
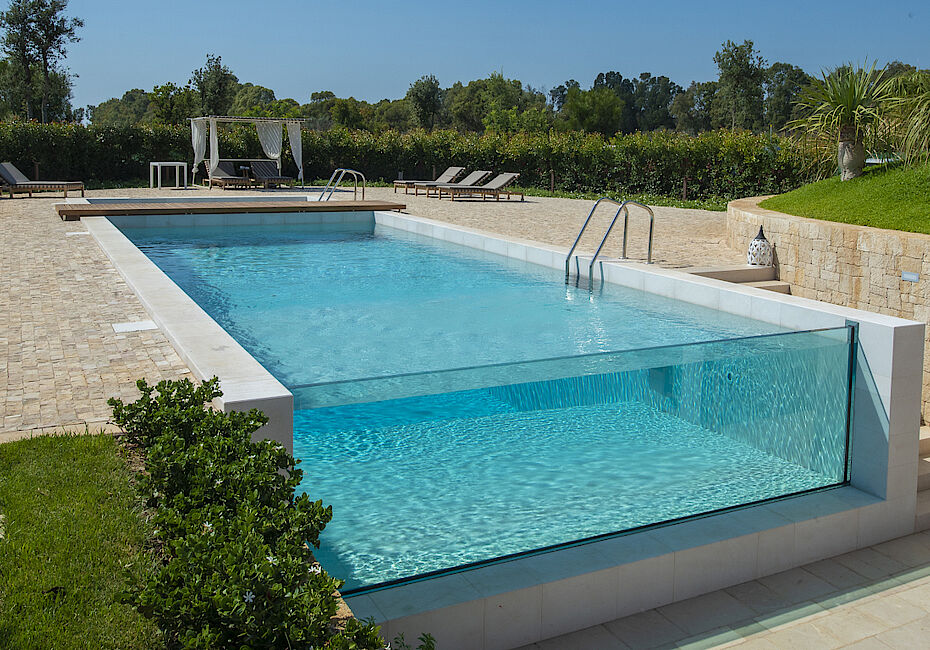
<point x="721" y="163"/>
<point x="237" y="567"/>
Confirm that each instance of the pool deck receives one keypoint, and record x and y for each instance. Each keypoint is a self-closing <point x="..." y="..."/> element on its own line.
<point x="75" y="211"/>
<point x="61" y="358"/>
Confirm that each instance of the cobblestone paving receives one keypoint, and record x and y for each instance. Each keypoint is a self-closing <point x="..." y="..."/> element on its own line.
<point x="60" y="358"/>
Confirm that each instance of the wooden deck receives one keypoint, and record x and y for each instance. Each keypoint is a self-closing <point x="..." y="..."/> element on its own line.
<point x="74" y="211"/>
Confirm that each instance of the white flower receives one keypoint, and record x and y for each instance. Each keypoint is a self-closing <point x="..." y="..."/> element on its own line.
<point x="208" y="527"/>
<point x="316" y="568"/>
<point x="249" y="597"/>
<point x="272" y="559"/>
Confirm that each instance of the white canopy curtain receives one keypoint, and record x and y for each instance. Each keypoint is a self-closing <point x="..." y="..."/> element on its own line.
<point x="270" y="135"/>
<point x="199" y="140"/>
<point x="214" y="148"/>
<point x="293" y="136"/>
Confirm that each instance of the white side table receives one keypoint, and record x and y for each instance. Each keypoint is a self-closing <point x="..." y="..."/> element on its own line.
<point x="180" y="171"/>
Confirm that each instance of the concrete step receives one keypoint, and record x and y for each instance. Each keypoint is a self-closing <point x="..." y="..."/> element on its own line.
<point x="922" y="514"/>
<point x="735" y="272"/>
<point x="923" y="473"/>
<point x="924" y="449"/>
<point x="771" y="285"/>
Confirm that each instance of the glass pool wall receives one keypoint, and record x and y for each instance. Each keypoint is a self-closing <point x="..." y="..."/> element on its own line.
<point x="434" y="472"/>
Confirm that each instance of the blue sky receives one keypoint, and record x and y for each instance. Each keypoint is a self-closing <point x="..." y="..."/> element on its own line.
<point x="373" y="50"/>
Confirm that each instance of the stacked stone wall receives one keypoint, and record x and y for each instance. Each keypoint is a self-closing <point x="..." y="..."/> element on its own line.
<point x="843" y="264"/>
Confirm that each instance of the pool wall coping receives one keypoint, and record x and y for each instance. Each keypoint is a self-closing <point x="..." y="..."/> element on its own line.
<point x="533" y="598"/>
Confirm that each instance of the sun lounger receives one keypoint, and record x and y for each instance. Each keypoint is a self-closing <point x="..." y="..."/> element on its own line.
<point x="266" y="173"/>
<point x="14" y="181"/>
<point x="225" y="175"/>
<point x="446" y="177"/>
<point x="495" y="187"/>
<point x="471" y="180"/>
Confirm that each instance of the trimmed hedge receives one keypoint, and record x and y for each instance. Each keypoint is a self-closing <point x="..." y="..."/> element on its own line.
<point x="236" y="567"/>
<point x="727" y="164"/>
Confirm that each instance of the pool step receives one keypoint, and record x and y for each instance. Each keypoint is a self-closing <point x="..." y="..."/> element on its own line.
<point x="771" y="285"/>
<point x="923" y="473"/>
<point x="922" y="515"/>
<point x="924" y="449"/>
<point x="738" y="273"/>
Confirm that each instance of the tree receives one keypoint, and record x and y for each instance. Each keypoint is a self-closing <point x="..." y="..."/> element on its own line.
<point x="216" y="86"/>
<point x="595" y="111"/>
<point x="396" y="115"/>
<point x="249" y="97"/>
<point x="739" y="92"/>
<point x="172" y="104"/>
<point x="558" y="95"/>
<point x="52" y="33"/>
<point x="625" y="90"/>
<point x="783" y="84"/>
<point x="425" y="97"/>
<point x="911" y="112"/>
<point x="653" y="96"/>
<point x="133" y="107"/>
<point x="848" y="104"/>
<point x="347" y="113"/>
<point x="691" y="109"/>
<point x="18" y="23"/>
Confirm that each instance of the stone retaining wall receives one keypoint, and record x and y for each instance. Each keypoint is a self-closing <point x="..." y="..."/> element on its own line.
<point x="843" y="264"/>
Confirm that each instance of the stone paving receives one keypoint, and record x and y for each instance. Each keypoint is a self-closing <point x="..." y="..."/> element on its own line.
<point x="877" y="597"/>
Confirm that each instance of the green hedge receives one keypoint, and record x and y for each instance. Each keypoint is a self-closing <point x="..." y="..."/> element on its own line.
<point x="237" y="570"/>
<point x="716" y="164"/>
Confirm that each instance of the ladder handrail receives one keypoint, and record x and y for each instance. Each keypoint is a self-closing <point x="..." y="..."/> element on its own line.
<point x="568" y="257"/>
<point x="342" y="171"/>
<point x="626" y="221"/>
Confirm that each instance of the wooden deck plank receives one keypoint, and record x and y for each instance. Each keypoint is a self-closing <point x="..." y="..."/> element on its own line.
<point x="74" y="211"/>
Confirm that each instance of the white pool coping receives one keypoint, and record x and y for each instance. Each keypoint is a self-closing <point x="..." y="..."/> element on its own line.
<point x="533" y="598"/>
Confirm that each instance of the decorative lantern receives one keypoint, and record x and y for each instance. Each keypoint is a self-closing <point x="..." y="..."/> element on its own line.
<point x="760" y="251"/>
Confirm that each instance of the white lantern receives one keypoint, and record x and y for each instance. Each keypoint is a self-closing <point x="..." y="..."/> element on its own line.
<point x="760" y="251"/>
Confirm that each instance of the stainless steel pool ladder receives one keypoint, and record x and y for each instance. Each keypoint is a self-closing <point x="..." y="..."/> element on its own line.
<point x="336" y="179"/>
<point x="622" y="207"/>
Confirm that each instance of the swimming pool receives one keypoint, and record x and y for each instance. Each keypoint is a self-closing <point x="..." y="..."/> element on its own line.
<point x="457" y="407"/>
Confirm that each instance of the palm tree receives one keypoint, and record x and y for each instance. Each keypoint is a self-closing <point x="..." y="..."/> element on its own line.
<point x="848" y="104"/>
<point x="911" y="112"/>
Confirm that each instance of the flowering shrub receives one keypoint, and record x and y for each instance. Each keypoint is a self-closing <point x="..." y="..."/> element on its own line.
<point x="722" y="163"/>
<point x="237" y="568"/>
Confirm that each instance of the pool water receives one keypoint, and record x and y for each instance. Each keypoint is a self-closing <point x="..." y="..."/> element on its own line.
<point x="429" y="479"/>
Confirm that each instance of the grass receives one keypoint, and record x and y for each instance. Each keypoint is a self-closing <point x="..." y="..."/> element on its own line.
<point x="893" y="197"/>
<point x="72" y="532"/>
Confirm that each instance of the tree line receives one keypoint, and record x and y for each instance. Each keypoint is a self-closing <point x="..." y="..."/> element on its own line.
<point x="749" y="93"/>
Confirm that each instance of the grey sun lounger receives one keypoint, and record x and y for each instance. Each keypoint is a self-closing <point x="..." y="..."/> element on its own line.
<point x="225" y="174"/>
<point x="495" y="187"/>
<point x="471" y="180"/>
<point x="14" y="181"/>
<point x="447" y="176"/>
<point x="266" y="173"/>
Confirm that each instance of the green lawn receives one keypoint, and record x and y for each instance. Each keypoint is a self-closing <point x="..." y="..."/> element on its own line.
<point x="72" y="531"/>
<point x="897" y="198"/>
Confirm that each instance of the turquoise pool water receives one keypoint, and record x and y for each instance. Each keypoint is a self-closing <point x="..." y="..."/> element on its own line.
<point x="431" y="469"/>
